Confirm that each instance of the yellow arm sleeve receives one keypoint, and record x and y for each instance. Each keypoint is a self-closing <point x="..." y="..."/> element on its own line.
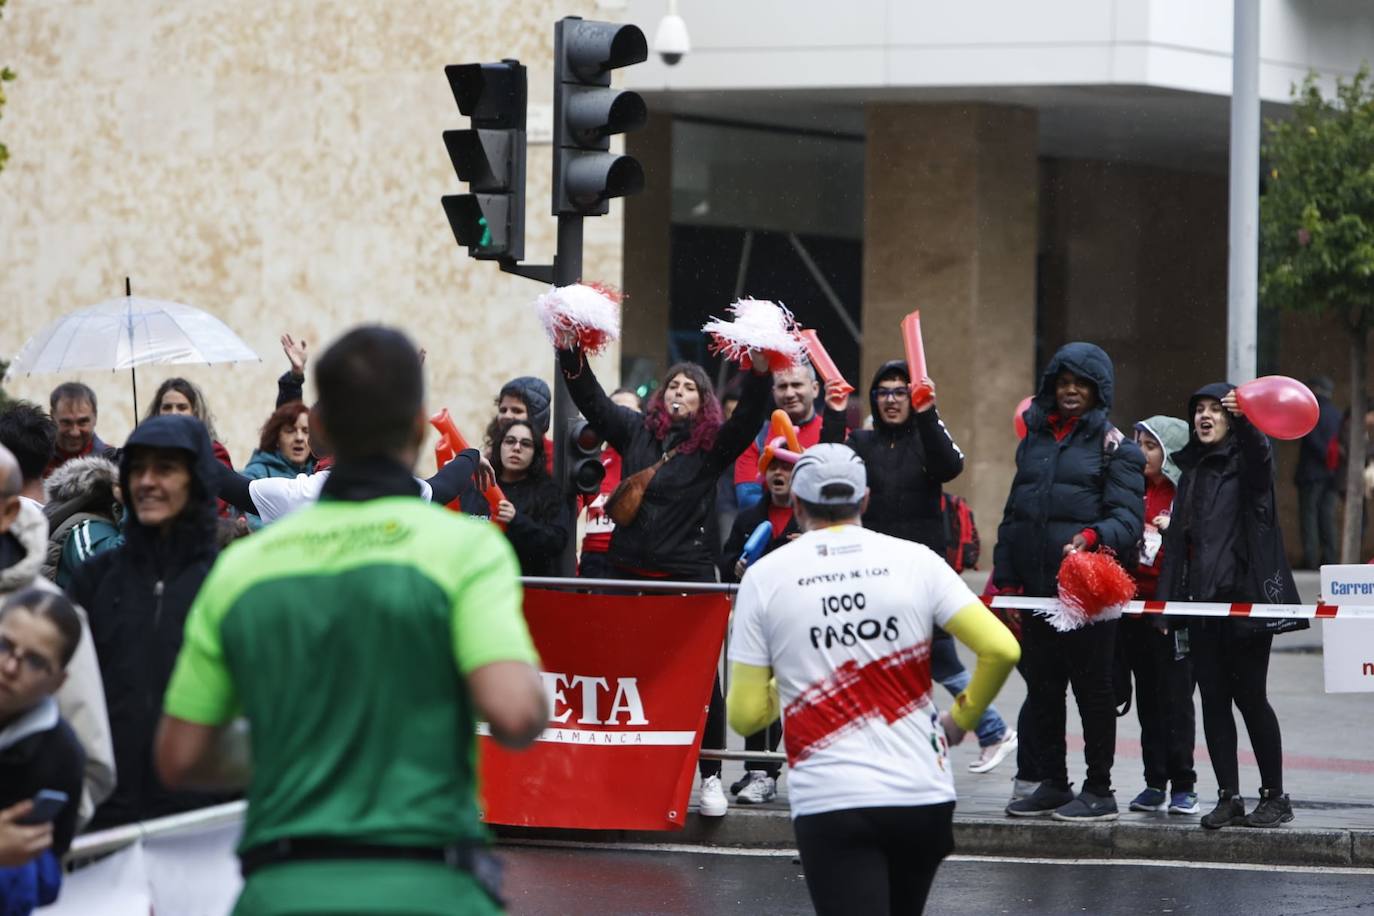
<point x="998" y="652"/>
<point x="752" y="703"/>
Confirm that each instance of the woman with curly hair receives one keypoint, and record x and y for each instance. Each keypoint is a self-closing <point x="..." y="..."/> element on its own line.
<point x="672" y="455"/>
<point x="283" y="448"/>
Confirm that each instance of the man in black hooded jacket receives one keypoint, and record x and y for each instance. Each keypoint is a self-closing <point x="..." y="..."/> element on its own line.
<point x="1079" y="485"/>
<point x="137" y="597"/>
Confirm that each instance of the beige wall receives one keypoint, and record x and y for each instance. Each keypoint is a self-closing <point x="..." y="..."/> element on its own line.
<point x="950" y="228"/>
<point x="279" y="164"/>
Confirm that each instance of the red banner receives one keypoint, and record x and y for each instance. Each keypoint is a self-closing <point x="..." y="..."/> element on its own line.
<point x="628" y="680"/>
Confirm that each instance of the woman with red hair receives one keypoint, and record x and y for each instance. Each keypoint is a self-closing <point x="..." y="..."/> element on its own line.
<point x="672" y="455"/>
<point x="283" y="448"/>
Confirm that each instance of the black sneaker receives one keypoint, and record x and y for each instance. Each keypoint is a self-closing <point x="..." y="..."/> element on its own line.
<point x="1271" y="811"/>
<point x="1040" y="803"/>
<point x="1229" y="812"/>
<point x="1088" y="806"/>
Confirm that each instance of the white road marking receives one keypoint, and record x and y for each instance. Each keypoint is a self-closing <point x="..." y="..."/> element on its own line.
<point x="1018" y="860"/>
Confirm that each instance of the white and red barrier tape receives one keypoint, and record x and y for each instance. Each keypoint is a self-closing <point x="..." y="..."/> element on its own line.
<point x="1205" y="609"/>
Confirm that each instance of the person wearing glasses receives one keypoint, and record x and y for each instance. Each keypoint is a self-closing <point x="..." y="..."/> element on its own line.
<point x="39" y="753"/>
<point x="537" y="521"/>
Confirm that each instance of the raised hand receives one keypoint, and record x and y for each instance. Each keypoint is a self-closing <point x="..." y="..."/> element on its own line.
<point x="296" y="353"/>
<point x="837" y="394"/>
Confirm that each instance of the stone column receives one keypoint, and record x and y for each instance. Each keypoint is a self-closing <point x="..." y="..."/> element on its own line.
<point x="950" y="229"/>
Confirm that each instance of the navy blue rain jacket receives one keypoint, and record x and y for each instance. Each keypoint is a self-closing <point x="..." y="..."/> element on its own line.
<point x="1086" y="480"/>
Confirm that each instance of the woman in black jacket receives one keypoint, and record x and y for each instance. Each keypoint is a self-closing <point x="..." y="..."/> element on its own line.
<point x="536" y="519"/>
<point x="1223" y="544"/>
<point x="1079" y="485"/>
<point x="137" y="597"/>
<point x="673" y="535"/>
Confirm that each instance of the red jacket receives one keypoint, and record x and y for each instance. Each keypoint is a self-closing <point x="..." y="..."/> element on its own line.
<point x="1159" y="500"/>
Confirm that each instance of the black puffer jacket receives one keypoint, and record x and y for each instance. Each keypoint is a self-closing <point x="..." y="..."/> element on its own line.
<point x="137" y="597"/>
<point x="1088" y="479"/>
<point x="1223" y="542"/>
<point x="674" y="533"/>
<point x="906" y="466"/>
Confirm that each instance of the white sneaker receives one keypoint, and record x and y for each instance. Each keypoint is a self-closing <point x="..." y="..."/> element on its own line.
<point x="994" y="754"/>
<point x="761" y="788"/>
<point x="713" y="803"/>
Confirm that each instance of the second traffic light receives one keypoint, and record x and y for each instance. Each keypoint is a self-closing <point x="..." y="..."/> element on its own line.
<point x="587" y="112"/>
<point x="490" y="157"/>
<point x="584" y="468"/>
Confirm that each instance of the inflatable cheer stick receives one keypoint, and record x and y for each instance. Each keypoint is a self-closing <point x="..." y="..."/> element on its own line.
<point x="757" y="543"/>
<point x="921" y="394"/>
<point x="820" y="359"/>
<point x="1279" y="406"/>
<point x="448" y="430"/>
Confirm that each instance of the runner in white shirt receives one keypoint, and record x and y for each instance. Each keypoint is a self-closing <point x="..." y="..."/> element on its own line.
<point x="842" y="619"/>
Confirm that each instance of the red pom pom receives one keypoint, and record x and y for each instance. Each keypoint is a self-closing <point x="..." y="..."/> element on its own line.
<point x="1092" y="586"/>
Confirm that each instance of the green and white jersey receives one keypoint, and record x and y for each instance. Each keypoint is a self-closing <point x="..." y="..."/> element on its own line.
<point x="343" y="634"/>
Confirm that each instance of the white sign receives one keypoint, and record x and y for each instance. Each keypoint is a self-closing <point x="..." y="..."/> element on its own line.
<point x="1348" y="645"/>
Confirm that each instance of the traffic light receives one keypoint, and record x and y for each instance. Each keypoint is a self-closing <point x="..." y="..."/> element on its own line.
<point x="585" y="470"/>
<point x="490" y="157"/>
<point x="587" y="112"/>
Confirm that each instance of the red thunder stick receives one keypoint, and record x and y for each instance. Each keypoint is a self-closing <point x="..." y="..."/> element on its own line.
<point x="443" y="422"/>
<point x="921" y="394"/>
<point x="820" y="359"/>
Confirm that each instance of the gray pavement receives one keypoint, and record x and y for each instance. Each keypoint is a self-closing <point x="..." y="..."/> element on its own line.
<point x="1328" y="772"/>
<point x="606" y="881"/>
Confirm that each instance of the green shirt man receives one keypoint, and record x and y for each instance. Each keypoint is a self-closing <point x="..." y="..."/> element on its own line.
<point x="360" y="638"/>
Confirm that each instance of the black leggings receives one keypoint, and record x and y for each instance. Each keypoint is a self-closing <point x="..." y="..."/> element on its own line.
<point x="765" y="739"/>
<point x="1232" y="668"/>
<point x="714" y="735"/>
<point x="873" y="861"/>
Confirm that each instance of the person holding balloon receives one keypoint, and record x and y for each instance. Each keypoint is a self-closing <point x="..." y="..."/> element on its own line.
<point x="1223" y="544"/>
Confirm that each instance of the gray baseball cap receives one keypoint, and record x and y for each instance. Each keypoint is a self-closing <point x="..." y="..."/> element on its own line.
<point x="829" y="474"/>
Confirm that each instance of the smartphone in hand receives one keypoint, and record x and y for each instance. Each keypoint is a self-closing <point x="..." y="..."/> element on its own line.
<point x="47" y="804"/>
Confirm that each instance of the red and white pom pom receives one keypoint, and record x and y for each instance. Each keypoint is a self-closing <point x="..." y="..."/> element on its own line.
<point x="761" y="325"/>
<point x="1092" y="588"/>
<point x="587" y="314"/>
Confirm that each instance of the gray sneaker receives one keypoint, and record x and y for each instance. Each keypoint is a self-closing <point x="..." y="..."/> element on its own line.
<point x="760" y="789"/>
<point x="1040" y="803"/>
<point x="1229" y="812"/>
<point x="1088" y="806"/>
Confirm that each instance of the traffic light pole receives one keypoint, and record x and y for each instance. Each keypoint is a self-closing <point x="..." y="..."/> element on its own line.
<point x="567" y="269"/>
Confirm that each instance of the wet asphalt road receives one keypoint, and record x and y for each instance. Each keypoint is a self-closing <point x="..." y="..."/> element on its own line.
<point x="601" y="882"/>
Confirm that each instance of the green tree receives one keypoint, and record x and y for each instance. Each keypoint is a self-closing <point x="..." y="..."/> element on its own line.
<point x="1317" y="238"/>
<point x="6" y="74"/>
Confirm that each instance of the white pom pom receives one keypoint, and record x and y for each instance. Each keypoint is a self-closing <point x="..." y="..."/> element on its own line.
<point x="587" y="315"/>
<point x="758" y="324"/>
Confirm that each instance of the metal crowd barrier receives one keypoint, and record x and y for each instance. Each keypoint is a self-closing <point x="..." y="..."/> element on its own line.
<point x="685" y="588"/>
<point x="90" y="846"/>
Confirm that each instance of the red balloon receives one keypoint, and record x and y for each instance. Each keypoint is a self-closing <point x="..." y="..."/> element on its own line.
<point x="1279" y="406"/>
<point x="1018" y="420"/>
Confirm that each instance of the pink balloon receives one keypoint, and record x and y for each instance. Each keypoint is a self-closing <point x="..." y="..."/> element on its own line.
<point x="1018" y="420"/>
<point x="1279" y="406"/>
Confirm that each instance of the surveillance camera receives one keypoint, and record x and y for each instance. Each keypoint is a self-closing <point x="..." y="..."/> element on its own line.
<point x="671" y="41"/>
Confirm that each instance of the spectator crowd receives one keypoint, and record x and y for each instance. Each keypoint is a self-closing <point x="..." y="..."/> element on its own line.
<point x="104" y="549"/>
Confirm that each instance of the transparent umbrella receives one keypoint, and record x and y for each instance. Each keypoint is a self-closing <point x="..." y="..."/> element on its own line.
<point x="126" y="333"/>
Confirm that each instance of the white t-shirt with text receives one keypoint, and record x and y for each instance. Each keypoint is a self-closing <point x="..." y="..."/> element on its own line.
<point x="276" y="497"/>
<point x="844" y="617"/>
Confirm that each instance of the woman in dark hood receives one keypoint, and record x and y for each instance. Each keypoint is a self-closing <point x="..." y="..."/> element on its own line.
<point x="1224" y="544"/>
<point x="1079" y="485"/>
<point x="137" y="597"/>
